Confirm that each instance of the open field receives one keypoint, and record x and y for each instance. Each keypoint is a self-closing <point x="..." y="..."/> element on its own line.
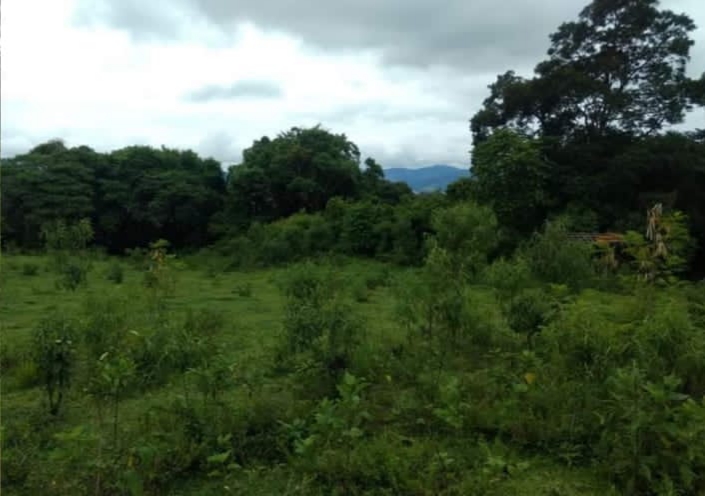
<point x="242" y="326"/>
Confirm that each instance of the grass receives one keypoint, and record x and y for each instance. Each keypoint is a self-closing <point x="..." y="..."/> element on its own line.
<point x="252" y="321"/>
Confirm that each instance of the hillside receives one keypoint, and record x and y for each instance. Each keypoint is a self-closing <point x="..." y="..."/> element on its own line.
<point x="434" y="177"/>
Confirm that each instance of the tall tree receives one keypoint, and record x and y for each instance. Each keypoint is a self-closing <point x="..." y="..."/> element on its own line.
<point x="300" y="169"/>
<point x="620" y="68"/>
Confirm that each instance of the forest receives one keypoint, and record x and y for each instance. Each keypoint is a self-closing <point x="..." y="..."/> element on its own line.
<point x="298" y="324"/>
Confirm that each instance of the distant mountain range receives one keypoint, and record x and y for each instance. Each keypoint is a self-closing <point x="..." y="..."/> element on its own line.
<point x="424" y="179"/>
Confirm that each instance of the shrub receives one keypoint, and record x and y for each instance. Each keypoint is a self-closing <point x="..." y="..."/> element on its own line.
<point x="73" y="275"/>
<point x="653" y="437"/>
<point x="204" y="322"/>
<point x="105" y="325"/>
<point x="468" y="233"/>
<point x="53" y="353"/>
<point x="554" y="258"/>
<point x="360" y="293"/>
<point x="138" y="257"/>
<point x="317" y="320"/>
<point x="243" y="290"/>
<point x="30" y="269"/>
<point x="529" y="311"/>
<point x="115" y="273"/>
<point x="508" y="276"/>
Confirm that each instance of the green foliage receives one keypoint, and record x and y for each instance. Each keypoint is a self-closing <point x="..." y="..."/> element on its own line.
<point x="512" y="177"/>
<point x="318" y="322"/>
<point x="468" y="233"/>
<point x="653" y="436"/>
<point x="53" y="353"/>
<point x="115" y="273"/>
<point x="67" y="244"/>
<point x="554" y="258"/>
<point x="529" y="311"/>
<point x="588" y="87"/>
<point x="72" y="276"/>
<point x="666" y="254"/>
<point x="508" y="276"/>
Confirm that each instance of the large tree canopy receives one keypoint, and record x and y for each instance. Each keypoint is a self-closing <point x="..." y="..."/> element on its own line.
<point x="301" y="170"/>
<point x="620" y="68"/>
<point x="596" y="110"/>
<point x="133" y="195"/>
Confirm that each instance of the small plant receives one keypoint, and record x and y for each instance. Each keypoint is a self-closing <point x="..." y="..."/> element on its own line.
<point x="243" y="290"/>
<point x="138" y="257"/>
<point x="67" y="245"/>
<point x="361" y="293"/>
<point x="115" y="273"/>
<point x="528" y="312"/>
<point x="54" y="356"/>
<point x="115" y="374"/>
<point x="664" y="252"/>
<point x="72" y="276"/>
<point x="159" y="277"/>
<point x="30" y="269"/>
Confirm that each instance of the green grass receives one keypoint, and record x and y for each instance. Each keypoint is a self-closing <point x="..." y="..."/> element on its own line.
<point x="249" y="338"/>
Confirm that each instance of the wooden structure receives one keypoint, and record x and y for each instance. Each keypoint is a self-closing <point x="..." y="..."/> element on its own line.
<point x="607" y="238"/>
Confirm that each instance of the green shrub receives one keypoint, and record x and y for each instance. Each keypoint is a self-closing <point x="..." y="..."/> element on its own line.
<point x="318" y="321"/>
<point x="26" y="375"/>
<point x="73" y="275"/>
<point x="105" y="324"/>
<point x="115" y="273"/>
<point x="468" y="233"/>
<point x="378" y="278"/>
<point x="138" y="257"/>
<point x="652" y="436"/>
<point x="204" y="322"/>
<point x="30" y="269"/>
<point x="243" y="290"/>
<point x="53" y="353"/>
<point x="508" y="277"/>
<point x="555" y="258"/>
<point x="529" y="311"/>
<point x="360" y="293"/>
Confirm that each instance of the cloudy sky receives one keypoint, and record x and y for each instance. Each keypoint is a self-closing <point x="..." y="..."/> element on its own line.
<point x="400" y="77"/>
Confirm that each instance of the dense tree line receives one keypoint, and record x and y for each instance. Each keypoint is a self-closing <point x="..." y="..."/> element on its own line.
<point x="587" y="135"/>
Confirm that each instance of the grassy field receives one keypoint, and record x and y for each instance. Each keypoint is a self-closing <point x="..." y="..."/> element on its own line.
<point x="249" y="309"/>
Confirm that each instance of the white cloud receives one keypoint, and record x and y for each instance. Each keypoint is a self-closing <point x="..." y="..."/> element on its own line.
<point x="94" y="84"/>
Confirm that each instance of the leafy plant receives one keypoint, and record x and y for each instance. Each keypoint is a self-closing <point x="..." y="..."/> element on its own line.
<point x="115" y="273"/>
<point x="30" y="269"/>
<point x="54" y="354"/>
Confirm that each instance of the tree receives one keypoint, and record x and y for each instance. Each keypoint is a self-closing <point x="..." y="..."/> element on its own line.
<point x="620" y="68"/>
<point x="512" y="177"/>
<point x="300" y="169"/>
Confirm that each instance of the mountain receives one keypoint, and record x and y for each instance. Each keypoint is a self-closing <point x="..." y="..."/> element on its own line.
<point x="434" y="177"/>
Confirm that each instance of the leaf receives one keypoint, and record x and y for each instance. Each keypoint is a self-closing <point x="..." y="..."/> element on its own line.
<point x="134" y="483"/>
<point x="529" y="377"/>
<point x="219" y="458"/>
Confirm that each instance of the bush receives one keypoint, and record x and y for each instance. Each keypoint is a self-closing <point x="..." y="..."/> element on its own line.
<point x="115" y="273"/>
<point x="138" y="257"/>
<point x="653" y="437"/>
<point x="317" y="320"/>
<point x="508" y="276"/>
<point x="529" y="311"/>
<point x="360" y="293"/>
<point x="73" y="275"/>
<point x="53" y="354"/>
<point x="555" y="258"/>
<point x="468" y="233"/>
<point x="30" y="269"/>
<point x="243" y="290"/>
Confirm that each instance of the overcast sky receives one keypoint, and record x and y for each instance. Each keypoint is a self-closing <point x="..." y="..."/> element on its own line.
<point x="400" y="77"/>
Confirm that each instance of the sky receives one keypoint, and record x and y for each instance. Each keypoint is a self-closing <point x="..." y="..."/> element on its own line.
<point x="401" y="78"/>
